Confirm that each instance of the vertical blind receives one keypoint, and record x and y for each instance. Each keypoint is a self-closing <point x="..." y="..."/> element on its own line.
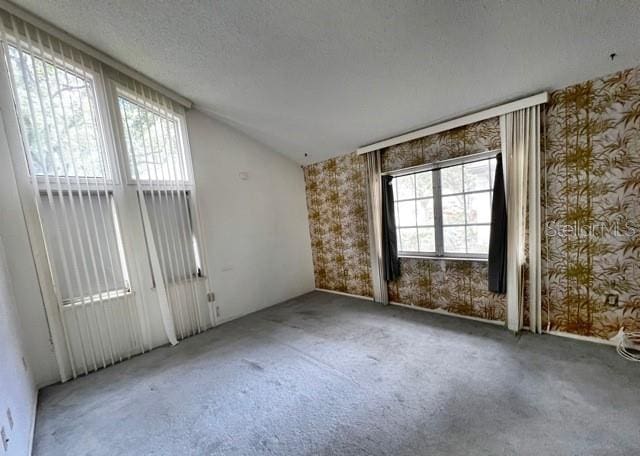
<point x="78" y="236"/>
<point x="89" y="135"/>
<point x="171" y="223"/>
<point x="160" y="166"/>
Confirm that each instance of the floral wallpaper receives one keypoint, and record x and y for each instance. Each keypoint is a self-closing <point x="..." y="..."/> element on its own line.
<point x="591" y="205"/>
<point x="458" y="287"/>
<point x="337" y="205"/>
<point x="336" y="199"/>
<point x="590" y="208"/>
<point x="470" y="139"/>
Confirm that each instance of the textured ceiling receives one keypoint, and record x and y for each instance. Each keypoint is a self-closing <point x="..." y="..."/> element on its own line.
<point x="324" y="77"/>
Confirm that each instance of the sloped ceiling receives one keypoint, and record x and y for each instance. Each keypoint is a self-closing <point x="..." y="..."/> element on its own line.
<point x="324" y="77"/>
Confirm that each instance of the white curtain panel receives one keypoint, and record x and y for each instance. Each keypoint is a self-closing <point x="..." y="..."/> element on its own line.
<point x="374" y="203"/>
<point x="520" y="138"/>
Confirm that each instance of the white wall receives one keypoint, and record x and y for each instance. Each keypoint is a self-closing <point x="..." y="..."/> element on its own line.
<point x="257" y="232"/>
<point x="17" y="389"/>
<point x="22" y="271"/>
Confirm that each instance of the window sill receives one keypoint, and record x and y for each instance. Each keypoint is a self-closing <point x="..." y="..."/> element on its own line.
<point x="447" y="258"/>
<point x="182" y="281"/>
<point x="96" y="299"/>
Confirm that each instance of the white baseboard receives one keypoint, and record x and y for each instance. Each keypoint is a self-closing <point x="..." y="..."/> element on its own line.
<point x="567" y="335"/>
<point x="595" y="340"/>
<point x="367" y="298"/>
<point x="449" y="314"/>
<point x="409" y="306"/>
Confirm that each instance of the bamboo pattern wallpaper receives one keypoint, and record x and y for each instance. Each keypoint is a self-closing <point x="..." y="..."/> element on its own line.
<point x="590" y="207"/>
<point x="458" y="287"/>
<point x="337" y="205"/>
<point x="470" y="139"/>
<point x="336" y="200"/>
<point x="592" y="168"/>
<point x="454" y="286"/>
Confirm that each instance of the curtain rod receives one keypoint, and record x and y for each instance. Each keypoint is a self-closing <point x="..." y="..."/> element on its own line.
<point x="441" y="164"/>
<point x="478" y="116"/>
<point x="51" y="29"/>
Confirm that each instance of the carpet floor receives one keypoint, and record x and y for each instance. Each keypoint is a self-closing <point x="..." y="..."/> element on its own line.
<point x="329" y="374"/>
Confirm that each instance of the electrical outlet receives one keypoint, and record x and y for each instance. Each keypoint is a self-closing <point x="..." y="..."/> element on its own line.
<point x="217" y="312"/>
<point x="10" y="418"/>
<point x="612" y="300"/>
<point x="5" y="439"/>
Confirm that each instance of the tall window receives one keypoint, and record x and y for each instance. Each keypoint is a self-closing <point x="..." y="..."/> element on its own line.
<point x="84" y="143"/>
<point x="445" y="212"/>
<point x="158" y="163"/>
<point x="57" y="108"/>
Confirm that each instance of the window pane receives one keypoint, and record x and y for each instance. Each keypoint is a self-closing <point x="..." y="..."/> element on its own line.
<point x="427" y="239"/>
<point x="492" y="170"/>
<point x="153" y="141"/>
<point x="77" y="238"/>
<point x="406" y="213"/>
<point x="405" y="187"/>
<point x="453" y="210"/>
<point x="478" y="239"/>
<point x="424" y="185"/>
<point x="169" y="216"/>
<point x="409" y="239"/>
<point x="61" y="130"/>
<point x="454" y="241"/>
<point x="425" y="211"/>
<point x="477" y="176"/>
<point x="479" y="207"/>
<point x="451" y="180"/>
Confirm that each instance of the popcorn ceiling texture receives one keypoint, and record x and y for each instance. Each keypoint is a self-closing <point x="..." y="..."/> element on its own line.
<point x="325" y="77"/>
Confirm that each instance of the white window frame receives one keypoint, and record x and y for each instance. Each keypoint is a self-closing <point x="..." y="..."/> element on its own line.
<point x="97" y="82"/>
<point x="181" y="122"/>
<point x="102" y="75"/>
<point x="77" y="185"/>
<point x="435" y="168"/>
<point x="150" y="185"/>
<point x="119" y="255"/>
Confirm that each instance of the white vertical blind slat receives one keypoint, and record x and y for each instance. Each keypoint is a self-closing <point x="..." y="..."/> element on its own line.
<point x="43" y="85"/>
<point x="180" y="170"/>
<point x="12" y="78"/>
<point x="85" y="222"/>
<point x="167" y="318"/>
<point x="182" y="211"/>
<point x="46" y="177"/>
<point x="67" y="105"/>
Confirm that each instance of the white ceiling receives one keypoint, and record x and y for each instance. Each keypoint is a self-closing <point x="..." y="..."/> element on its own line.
<point x="324" y="77"/>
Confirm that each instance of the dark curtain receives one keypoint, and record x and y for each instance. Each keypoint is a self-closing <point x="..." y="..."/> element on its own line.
<point x="389" y="243"/>
<point x="498" y="235"/>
